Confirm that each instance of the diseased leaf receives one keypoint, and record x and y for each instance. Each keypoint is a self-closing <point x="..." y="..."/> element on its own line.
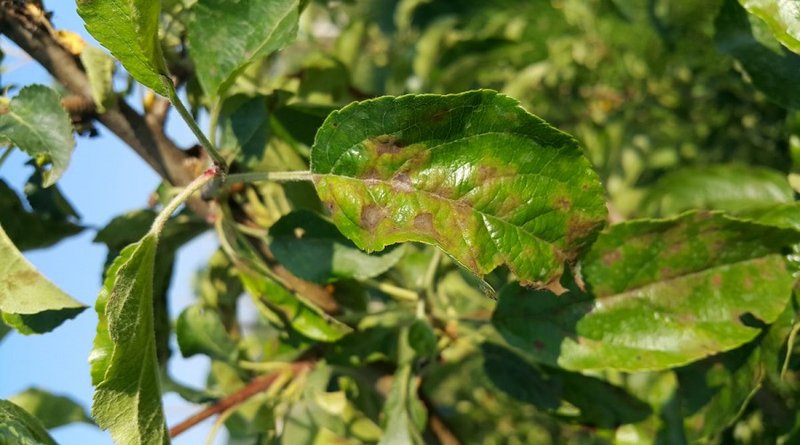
<point x="313" y="249"/>
<point x="404" y="413"/>
<point x="782" y="17"/>
<point x="286" y="309"/>
<point x="35" y="122"/>
<point x="733" y="188"/>
<point x="129" y="29"/>
<point x="472" y="173"/>
<point x="29" y="302"/>
<point x="665" y="293"/>
<point x="100" y="71"/>
<point x="772" y="69"/>
<point x="21" y="428"/>
<point x="52" y="410"/>
<point x="125" y="371"/>
<point x="41" y="228"/>
<point x="224" y="37"/>
<point x="199" y="330"/>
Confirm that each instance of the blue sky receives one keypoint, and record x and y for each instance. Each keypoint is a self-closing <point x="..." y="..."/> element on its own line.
<point x="104" y="179"/>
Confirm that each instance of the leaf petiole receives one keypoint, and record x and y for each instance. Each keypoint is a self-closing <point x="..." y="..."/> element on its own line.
<point x="270" y="176"/>
<point x="181" y="197"/>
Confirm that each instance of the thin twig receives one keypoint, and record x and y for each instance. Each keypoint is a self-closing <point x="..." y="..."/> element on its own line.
<point x="257" y="385"/>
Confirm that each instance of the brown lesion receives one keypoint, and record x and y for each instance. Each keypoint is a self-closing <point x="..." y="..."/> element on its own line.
<point x="424" y="223"/>
<point x="371" y="216"/>
<point x="401" y="182"/>
<point x="387" y="144"/>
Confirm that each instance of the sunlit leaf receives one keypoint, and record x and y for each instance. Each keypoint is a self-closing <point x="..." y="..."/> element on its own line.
<point x="224" y="37"/>
<point x="286" y="309"/>
<point x="21" y="428"/>
<point x="665" y="293"/>
<point x="52" y="410"/>
<point x="100" y="71"/>
<point x="313" y="249"/>
<point x="129" y="29"/>
<point x="35" y="121"/>
<point x="782" y="17"/>
<point x="29" y="302"/>
<point x="733" y="188"/>
<point x="125" y="371"/>
<point x="472" y="173"/>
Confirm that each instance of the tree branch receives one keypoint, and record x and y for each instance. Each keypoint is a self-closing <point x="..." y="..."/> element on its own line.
<point x="257" y="385"/>
<point x="143" y="133"/>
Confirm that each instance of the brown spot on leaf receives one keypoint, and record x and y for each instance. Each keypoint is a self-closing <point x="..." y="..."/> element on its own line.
<point x="402" y="183"/>
<point x="486" y="172"/>
<point x="748" y="283"/>
<point x="387" y="144"/>
<point x="563" y="203"/>
<point x="330" y="206"/>
<point x="439" y="116"/>
<point x="612" y="257"/>
<point x="578" y="229"/>
<point x="424" y="222"/>
<point x="666" y="272"/>
<point x="716" y="281"/>
<point x="371" y="216"/>
<point x="538" y="345"/>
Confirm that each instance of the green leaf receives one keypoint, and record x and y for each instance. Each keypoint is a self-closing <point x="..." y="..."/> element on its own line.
<point x="200" y="331"/>
<point x="125" y="371"/>
<point x="665" y="293"/>
<point x="35" y="122"/>
<point x="129" y="29"/>
<point x="404" y="413"/>
<point x="29" y="302"/>
<point x="43" y="227"/>
<point x="20" y="428"/>
<point x="733" y="188"/>
<point x="100" y="71"/>
<point x="472" y="173"/>
<point x="782" y="17"/>
<point x="771" y="68"/>
<point x="288" y="310"/>
<point x="313" y="249"/>
<point x="52" y="410"/>
<point x="225" y="37"/>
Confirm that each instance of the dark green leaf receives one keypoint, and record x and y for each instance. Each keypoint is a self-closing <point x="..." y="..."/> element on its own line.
<point x="422" y="338"/>
<point x="472" y="173"/>
<point x="771" y="68"/>
<point x="52" y="410"/>
<point x="125" y="370"/>
<point x="35" y="230"/>
<point x="313" y="249"/>
<point x="35" y="122"/>
<point x="226" y="36"/>
<point x="129" y="29"/>
<point x="20" y="428"/>
<point x="404" y="413"/>
<point x="287" y="309"/>
<point x="200" y="331"/>
<point x="782" y="17"/>
<point x="29" y="302"/>
<point x="509" y="373"/>
<point x="733" y="188"/>
<point x="666" y="292"/>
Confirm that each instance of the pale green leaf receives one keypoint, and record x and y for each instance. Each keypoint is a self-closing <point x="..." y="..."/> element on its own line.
<point x="782" y="17"/>
<point x="36" y="122"/>
<point x="224" y="36"/>
<point x="125" y="371"/>
<point x="664" y="293"/>
<point x="100" y="71"/>
<point x="52" y="410"/>
<point x="129" y="29"/>
<point x="404" y="413"/>
<point x="288" y="310"/>
<point x="472" y="173"/>
<point x="29" y="302"/>
<point x="199" y="330"/>
<point x="18" y="427"/>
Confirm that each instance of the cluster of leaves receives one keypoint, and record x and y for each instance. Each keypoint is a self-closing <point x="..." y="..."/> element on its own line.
<point x="448" y="272"/>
